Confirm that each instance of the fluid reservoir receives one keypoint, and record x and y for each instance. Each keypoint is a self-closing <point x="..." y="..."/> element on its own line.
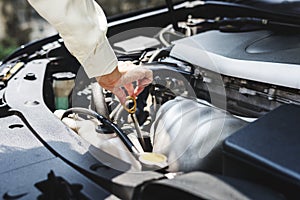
<point x="63" y="83"/>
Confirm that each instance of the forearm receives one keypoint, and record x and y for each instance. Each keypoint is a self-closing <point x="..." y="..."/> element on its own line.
<point x="83" y="26"/>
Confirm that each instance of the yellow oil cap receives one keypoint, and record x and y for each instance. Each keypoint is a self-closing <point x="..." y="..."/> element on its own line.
<point x="153" y="161"/>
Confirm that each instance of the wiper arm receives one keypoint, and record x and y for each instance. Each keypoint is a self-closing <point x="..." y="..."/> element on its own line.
<point x="172" y="14"/>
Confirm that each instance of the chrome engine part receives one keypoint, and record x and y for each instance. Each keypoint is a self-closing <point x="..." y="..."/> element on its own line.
<point x="190" y="133"/>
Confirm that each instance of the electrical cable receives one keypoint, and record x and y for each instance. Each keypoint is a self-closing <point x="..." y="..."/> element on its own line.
<point x="130" y="146"/>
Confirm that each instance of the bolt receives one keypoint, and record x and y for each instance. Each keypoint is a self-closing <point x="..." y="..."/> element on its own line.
<point x="30" y="77"/>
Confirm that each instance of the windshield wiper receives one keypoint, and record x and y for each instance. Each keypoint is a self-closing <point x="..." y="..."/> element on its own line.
<point x="172" y="14"/>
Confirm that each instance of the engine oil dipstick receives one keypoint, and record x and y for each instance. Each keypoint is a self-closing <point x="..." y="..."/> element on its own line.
<point x="148" y="160"/>
<point x="127" y="107"/>
<point x="131" y="109"/>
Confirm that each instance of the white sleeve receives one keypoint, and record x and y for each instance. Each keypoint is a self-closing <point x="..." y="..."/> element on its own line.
<point x="82" y="25"/>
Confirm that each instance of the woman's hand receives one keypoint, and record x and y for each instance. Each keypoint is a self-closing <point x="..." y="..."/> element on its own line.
<point x="124" y="75"/>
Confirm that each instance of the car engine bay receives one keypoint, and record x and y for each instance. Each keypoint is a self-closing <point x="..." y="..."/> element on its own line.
<point x="223" y="108"/>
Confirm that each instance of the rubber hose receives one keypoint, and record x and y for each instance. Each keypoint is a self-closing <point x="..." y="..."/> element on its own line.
<point x="98" y="100"/>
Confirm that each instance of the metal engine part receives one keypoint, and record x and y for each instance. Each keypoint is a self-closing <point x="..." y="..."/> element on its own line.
<point x="190" y="133"/>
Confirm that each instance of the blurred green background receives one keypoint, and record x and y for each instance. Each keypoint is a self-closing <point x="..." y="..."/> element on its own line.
<point x="19" y="23"/>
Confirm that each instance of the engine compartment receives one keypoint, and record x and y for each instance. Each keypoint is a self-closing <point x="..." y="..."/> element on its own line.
<point x="236" y="74"/>
<point x="180" y="70"/>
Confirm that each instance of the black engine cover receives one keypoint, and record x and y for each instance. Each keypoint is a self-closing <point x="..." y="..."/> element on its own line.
<point x="268" y="151"/>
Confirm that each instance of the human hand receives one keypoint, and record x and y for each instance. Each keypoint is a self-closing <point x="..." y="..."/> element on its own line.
<point x="125" y="75"/>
